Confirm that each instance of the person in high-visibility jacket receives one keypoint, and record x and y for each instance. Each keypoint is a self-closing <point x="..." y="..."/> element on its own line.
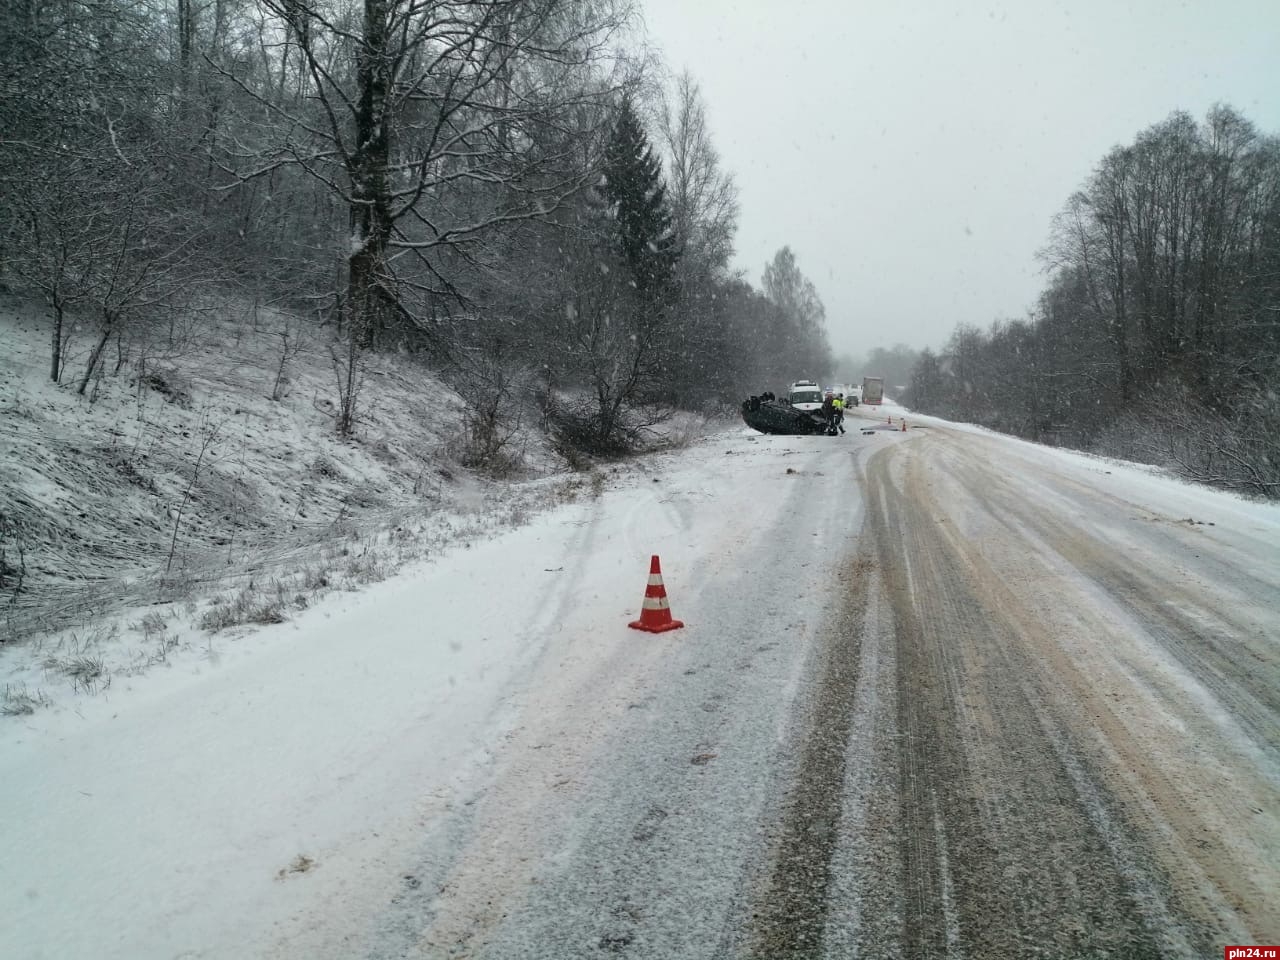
<point x="838" y="404"/>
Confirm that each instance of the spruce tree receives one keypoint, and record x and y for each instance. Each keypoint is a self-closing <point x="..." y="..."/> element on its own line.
<point x="636" y="193"/>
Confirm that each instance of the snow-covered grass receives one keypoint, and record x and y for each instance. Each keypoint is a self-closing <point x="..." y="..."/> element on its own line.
<point x="202" y="486"/>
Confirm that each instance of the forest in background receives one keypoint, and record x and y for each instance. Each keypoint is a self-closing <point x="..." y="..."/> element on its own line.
<point x="513" y="191"/>
<point x="517" y="194"/>
<point x="1158" y="335"/>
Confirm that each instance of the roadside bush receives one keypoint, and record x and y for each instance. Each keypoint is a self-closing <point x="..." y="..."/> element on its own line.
<point x="1241" y="452"/>
<point x="247" y="606"/>
<point x="580" y="425"/>
<point x="483" y="445"/>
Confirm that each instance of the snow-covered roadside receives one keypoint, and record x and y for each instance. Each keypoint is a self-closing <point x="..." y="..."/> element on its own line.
<point x="175" y="816"/>
<point x="209" y="463"/>
<point x="274" y="790"/>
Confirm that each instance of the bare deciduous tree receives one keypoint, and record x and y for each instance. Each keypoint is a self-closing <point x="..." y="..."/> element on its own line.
<point x="800" y="308"/>
<point x="428" y="119"/>
<point x="1158" y="337"/>
<point x="703" y="197"/>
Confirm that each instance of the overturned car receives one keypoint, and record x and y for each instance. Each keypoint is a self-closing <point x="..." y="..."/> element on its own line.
<point x="779" y="417"/>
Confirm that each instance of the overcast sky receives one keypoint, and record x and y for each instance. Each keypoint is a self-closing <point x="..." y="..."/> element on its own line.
<point x="913" y="154"/>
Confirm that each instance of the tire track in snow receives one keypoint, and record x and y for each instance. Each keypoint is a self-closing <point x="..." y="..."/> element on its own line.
<point x="1203" y="633"/>
<point x="1003" y="846"/>
<point x="788" y="921"/>
<point x="1161" y="684"/>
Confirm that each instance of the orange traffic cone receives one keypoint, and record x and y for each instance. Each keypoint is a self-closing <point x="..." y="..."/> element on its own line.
<point x="904" y="426"/>
<point x="891" y="418"/>
<point x="655" y="614"/>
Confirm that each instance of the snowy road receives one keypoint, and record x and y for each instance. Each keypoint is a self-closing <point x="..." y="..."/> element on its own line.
<point x="1074" y="746"/>
<point x="939" y="694"/>
<point x="1043" y="716"/>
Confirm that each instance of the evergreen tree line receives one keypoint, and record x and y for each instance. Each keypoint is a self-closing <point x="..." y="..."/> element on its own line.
<point x="1158" y="336"/>
<point x="478" y="182"/>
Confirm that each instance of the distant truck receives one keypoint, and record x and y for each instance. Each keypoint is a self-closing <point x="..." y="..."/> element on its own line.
<point x="872" y="390"/>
